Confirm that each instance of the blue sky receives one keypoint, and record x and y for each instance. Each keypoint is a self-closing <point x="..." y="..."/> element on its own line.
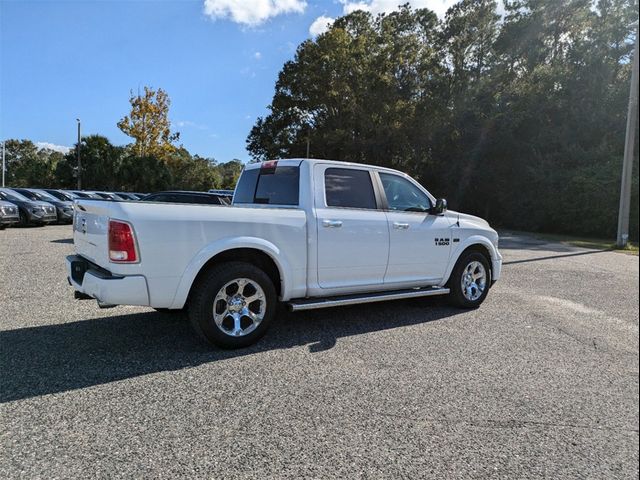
<point x="217" y="59"/>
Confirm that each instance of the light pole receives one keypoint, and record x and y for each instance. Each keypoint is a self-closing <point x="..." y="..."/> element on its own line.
<point x="627" y="165"/>
<point x="78" y="155"/>
<point x="3" y="163"/>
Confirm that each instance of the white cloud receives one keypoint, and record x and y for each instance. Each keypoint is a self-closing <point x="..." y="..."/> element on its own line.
<point x="190" y="124"/>
<point x="53" y="146"/>
<point x="320" y="25"/>
<point x="257" y="55"/>
<point x="375" y="7"/>
<point x="251" y="12"/>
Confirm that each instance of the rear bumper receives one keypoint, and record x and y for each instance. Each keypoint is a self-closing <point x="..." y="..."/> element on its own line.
<point x="100" y="284"/>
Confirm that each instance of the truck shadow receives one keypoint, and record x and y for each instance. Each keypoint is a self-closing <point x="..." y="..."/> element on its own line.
<point x="56" y="358"/>
<point x="68" y="241"/>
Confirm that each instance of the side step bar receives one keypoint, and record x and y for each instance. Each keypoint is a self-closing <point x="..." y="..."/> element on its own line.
<point x="313" y="303"/>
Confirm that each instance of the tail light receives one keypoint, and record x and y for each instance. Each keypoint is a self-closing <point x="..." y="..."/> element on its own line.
<point x="122" y="243"/>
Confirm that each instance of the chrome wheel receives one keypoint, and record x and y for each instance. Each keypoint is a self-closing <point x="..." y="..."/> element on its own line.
<point x="474" y="281"/>
<point x="239" y="307"/>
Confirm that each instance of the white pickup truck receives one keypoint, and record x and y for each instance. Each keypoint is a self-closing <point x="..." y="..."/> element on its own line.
<point x="310" y="233"/>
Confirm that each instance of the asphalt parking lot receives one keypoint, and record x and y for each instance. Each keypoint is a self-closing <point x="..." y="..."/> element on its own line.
<point x="541" y="381"/>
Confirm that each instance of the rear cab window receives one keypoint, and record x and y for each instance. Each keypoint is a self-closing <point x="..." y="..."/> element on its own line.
<point x="273" y="183"/>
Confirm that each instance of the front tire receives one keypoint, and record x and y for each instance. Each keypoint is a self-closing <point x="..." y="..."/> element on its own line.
<point x="470" y="280"/>
<point x="232" y="305"/>
<point x="24" y="221"/>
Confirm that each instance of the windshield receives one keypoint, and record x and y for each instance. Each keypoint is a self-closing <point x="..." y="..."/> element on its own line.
<point x="26" y="193"/>
<point x="61" y="195"/>
<point x="47" y="197"/>
<point x="15" y="196"/>
<point x="85" y="195"/>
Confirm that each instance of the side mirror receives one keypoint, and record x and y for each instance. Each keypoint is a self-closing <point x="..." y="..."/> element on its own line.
<point x="440" y="207"/>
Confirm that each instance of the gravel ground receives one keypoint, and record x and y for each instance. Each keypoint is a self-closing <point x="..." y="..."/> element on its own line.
<point x="541" y="381"/>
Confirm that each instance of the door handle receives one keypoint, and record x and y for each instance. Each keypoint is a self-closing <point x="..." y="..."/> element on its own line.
<point x="400" y="225"/>
<point x="331" y="223"/>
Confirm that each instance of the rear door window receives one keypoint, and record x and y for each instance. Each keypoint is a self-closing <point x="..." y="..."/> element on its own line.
<point x="349" y="188"/>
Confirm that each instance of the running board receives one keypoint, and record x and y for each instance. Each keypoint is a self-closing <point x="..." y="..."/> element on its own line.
<point x="313" y="303"/>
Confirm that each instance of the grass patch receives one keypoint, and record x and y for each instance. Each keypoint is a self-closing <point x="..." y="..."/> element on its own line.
<point x="595" y="243"/>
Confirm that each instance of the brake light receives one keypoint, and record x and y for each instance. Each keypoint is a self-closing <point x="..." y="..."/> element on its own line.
<point x="268" y="167"/>
<point x="122" y="243"/>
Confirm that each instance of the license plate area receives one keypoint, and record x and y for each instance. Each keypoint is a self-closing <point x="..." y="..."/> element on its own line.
<point x="78" y="268"/>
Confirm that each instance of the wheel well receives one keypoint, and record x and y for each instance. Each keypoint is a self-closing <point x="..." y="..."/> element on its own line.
<point x="478" y="247"/>
<point x="249" y="255"/>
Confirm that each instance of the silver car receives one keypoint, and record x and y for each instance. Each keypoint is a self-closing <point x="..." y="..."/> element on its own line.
<point x="64" y="209"/>
<point x="31" y="212"/>
<point x="8" y="214"/>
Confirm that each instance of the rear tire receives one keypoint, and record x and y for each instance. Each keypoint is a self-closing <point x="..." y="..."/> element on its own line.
<point x="232" y="305"/>
<point x="470" y="280"/>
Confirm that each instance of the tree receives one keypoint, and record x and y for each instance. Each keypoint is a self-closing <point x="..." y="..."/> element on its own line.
<point x="192" y="172"/>
<point x="353" y="92"/>
<point x="29" y="166"/>
<point x="520" y="120"/>
<point x="144" y="174"/>
<point x="230" y="172"/>
<point x="148" y="123"/>
<point x="100" y="164"/>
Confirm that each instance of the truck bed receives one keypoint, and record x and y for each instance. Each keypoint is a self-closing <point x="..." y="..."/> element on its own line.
<point x="174" y="238"/>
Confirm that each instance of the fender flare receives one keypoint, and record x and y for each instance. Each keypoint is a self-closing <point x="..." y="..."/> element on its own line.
<point x="229" y="243"/>
<point x="469" y="242"/>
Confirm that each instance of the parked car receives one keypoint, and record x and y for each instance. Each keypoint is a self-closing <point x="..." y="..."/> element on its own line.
<point x="226" y="194"/>
<point x="108" y="196"/>
<point x="127" y="195"/>
<point x="309" y="233"/>
<point x="64" y="209"/>
<point x="8" y="214"/>
<point x="84" y="194"/>
<point x="203" y="198"/>
<point x="62" y="195"/>
<point x="31" y="212"/>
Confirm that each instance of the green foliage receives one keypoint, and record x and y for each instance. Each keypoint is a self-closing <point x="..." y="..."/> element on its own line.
<point x="192" y="173"/>
<point x="113" y="168"/>
<point x="100" y="164"/>
<point x="29" y="166"/>
<point x="229" y="172"/>
<point x="521" y="120"/>
<point x="144" y="174"/>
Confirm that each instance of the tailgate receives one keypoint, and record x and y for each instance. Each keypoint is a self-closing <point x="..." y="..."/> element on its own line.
<point x="90" y="230"/>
